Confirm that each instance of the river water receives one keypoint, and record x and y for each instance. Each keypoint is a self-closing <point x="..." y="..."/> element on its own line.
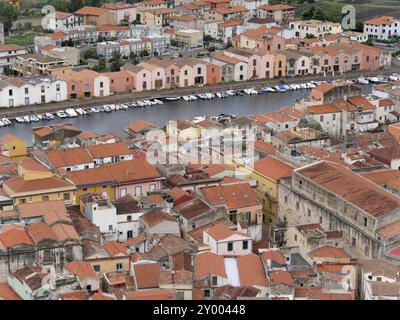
<point x="106" y="122"/>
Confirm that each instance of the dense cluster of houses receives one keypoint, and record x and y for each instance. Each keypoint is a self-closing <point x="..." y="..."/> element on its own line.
<point x="306" y="213"/>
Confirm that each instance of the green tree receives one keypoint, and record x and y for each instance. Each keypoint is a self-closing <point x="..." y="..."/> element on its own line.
<point x="309" y="36"/>
<point x="101" y="66"/>
<point x="8" y="14"/>
<point x="59" y="5"/>
<point x="115" y="61"/>
<point x="75" y="5"/>
<point x="144" y="53"/>
<point x="211" y="48"/>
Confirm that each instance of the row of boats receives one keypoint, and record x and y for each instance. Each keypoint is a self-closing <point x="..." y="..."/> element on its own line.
<point x="76" y="112"/>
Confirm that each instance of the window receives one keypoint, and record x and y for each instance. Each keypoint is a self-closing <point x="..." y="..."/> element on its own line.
<point x="365" y="221"/>
<point x="230" y="246"/>
<point x="110" y="227"/>
<point x="10" y="92"/>
<point x="96" y="268"/>
<point x="45" y="198"/>
<point x="245" y="245"/>
<point x="138" y="191"/>
<point x="214" y="281"/>
<point x="120" y="267"/>
<point x="321" y="118"/>
<point x="320" y="220"/>
<point x="295" y="237"/>
<point x="207" y="293"/>
<point x="297" y="205"/>
<point x="309" y="212"/>
<point x="353" y="242"/>
<point x="26" y="90"/>
<point x="367" y="251"/>
<point x="129" y="218"/>
<point x="129" y="234"/>
<point x="122" y="192"/>
<point x="67" y="196"/>
<point x="152" y="187"/>
<point x="285" y="199"/>
<point x="23" y="200"/>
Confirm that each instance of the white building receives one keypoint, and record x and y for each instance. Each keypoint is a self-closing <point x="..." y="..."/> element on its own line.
<point x="314" y="27"/>
<point x="59" y="21"/>
<point x="385" y="28"/>
<point x="8" y="53"/>
<point x="15" y="92"/>
<point x="227" y="242"/>
<point x="328" y="116"/>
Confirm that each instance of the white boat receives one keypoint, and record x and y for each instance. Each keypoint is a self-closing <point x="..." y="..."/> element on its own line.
<point x="80" y="111"/>
<point x="34" y="118"/>
<point x="210" y="95"/>
<point x="106" y="108"/>
<point x="147" y="102"/>
<point x="39" y="116"/>
<point x="158" y="101"/>
<point x="140" y="103"/>
<point x="394" y="78"/>
<point x="186" y="98"/>
<point x="71" y="113"/>
<point x="61" y="114"/>
<point x="362" y="80"/>
<point x="124" y="107"/>
<point x="1" y="124"/>
<point x="172" y="98"/>
<point x="49" y="116"/>
<point x="373" y="79"/>
<point x="303" y="86"/>
<point x="6" y="121"/>
<point x="382" y="79"/>
<point x="112" y="107"/>
<point x="219" y="95"/>
<point x="193" y="97"/>
<point x="311" y="85"/>
<point x="27" y="119"/>
<point x="19" y="120"/>
<point x="230" y="92"/>
<point x="293" y="87"/>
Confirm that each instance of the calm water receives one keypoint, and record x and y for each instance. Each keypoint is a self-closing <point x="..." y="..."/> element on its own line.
<point x="106" y="122"/>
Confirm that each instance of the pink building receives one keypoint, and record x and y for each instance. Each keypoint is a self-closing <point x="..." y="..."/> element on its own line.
<point x="124" y="12"/>
<point x="120" y="81"/>
<point x="171" y="71"/>
<point x="157" y="74"/>
<point x="142" y="78"/>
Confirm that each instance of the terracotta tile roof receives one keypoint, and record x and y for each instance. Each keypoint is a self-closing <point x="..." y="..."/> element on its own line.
<point x="68" y="157"/>
<point x="7" y="293"/>
<point x="57" y="35"/>
<point x="88" y="135"/>
<point x="74" y="295"/>
<point x="323" y="108"/>
<point x="197" y="234"/>
<point x="275" y="7"/>
<point x="315" y="293"/>
<point x="10" y="47"/>
<point x="324" y="87"/>
<point x="384" y="289"/>
<point x="192" y="208"/>
<point x="351" y="186"/>
<point x="273" y="168"/>
<point x="361" y="102"/>
<point x="182" y="261"/>
<point x="105" y="150"/>
<point x="220" y="232"/>
<point x="156" y="217"/>
<point x="114" y="248"/>
<point x="386" y="102"/>
<point x="231" y="23"/>
<point x="19" y="185"/>
<point x="274" y="256"/>
<point x="41" y="231"/>
<point x="30" y="164"/>
<point x="65" y="232"/>
<point x="233" y="196"/>
<point x="390" y="230"/>
<point x="225" y="58"/>
<point x="265" y="146"/>
<point x="133" y="170"/>
<point x="328" y="252"/>
<point x="208" y="263"/>
<point x="61" y="15"/>
<point x="380" y="20"/>
<point x="82" y="269"/>
<point x="91" y="11"/>
<point x="251" y="271"/>
<point x="117" y="5"/>
<point x="164" y="294"/>
<point x="279" y="277"/>
<point x="141" y="125"/>
<point x="13" y="235"/>
<point x="37" y="209"/>
<point x="180" y="195"/>
<point x="94" y="176"/>
<point x="147" y="275"/>
<point x="109" y="27"/>
<point x="380" y="267"/>
<point x="134" y="241"/>
<point x="291" y="111"/>
<point x="31" y="276"/>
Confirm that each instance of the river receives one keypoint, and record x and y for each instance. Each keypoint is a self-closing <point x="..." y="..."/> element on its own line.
<point x="106" y="122"/>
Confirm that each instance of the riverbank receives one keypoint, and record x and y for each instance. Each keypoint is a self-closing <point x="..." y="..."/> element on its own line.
<point x="134" y="96"/>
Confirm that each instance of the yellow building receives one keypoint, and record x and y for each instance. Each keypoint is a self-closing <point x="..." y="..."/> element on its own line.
<point x="186" y="78"/>
<point x="267" y="173"/>
<point x="96" y="180"/>
<point x="157" y="17"/>
<point x="35" y="183"/>
<point x="13" y="146"/>
<point x="182" y="129"/>
<point x="106" y="258"/>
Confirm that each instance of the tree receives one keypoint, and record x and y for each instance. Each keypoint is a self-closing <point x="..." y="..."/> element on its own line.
<point x="211" y="48"/>
<point x="75" y="5"/>
<point x="208" y="38"/>
<point x="90" y="54"/>
<point x="59" y="5"/>
<point x="134" y="58"/>
<point x="8" y="14"/>
<point x="144" y="53"/>
<point x="115" y="61"/>
<point x="101" y="66"/>
<point x="309" y="36"/>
